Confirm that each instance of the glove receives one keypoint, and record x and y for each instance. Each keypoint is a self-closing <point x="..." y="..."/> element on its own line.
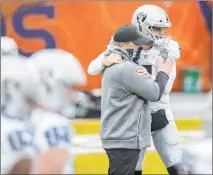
<point x="168" y="49"/>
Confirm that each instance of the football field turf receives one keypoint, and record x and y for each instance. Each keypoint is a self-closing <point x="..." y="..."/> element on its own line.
<point x="91" y="158"/>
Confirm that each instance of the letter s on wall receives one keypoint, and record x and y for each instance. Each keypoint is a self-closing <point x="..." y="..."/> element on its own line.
<point x="18" y="19"/>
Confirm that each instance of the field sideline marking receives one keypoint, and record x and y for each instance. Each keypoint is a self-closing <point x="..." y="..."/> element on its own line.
<point x="91" y="144"/>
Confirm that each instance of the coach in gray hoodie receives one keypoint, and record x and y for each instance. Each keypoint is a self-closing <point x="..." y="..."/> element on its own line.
<point x="125" y="120"/>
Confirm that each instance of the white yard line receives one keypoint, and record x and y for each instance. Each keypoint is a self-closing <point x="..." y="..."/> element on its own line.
<point x="85" y="144"/>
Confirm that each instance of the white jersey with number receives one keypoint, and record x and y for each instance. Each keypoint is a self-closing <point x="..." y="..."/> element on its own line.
<point x="16" y="143"/>
<point x="197" y="157"/>
<point x="52" y="130"/>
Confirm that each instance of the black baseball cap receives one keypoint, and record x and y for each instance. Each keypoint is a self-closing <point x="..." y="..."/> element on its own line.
<point x="130" y="33"/>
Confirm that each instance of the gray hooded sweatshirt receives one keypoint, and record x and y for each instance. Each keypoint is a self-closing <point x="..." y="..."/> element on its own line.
<point x="126" y="118"/>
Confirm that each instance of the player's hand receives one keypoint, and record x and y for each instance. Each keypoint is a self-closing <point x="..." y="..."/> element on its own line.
<point x="174" y="50"/>
<point x="113" y="58"/>
<point x="164" y="66"/>
<point x="142" y="71"/>
<point x="171" y="48"/>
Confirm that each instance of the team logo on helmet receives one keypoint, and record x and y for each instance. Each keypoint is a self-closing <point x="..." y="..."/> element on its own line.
<point x="141" y="17"/>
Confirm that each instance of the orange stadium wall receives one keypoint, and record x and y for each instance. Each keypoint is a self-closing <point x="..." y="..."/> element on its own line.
<point x="85" y="28"/>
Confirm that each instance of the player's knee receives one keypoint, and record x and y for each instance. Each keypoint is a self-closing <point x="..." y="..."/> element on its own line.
<point x="170" y="134"/>
<point x="169" y="150"/>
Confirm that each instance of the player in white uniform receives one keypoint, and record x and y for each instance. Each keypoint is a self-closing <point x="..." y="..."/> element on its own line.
<point x="57" y="71"/>
<point x="197" y="154"/>
<point x="152" y="21"/>
<point x="16" y="146"/>
<point x="17" y="150"/>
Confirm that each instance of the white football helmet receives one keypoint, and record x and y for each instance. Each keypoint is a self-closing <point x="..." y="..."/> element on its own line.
<point x="148" y="17"/>
<point x="8" y="47"/>
<point x="58" y="71"/>
<point x="17" y="87"/>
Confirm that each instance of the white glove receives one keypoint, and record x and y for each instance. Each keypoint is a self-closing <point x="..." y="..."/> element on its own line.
<point x="169" y="48"/>
<point x="173" y="50"/>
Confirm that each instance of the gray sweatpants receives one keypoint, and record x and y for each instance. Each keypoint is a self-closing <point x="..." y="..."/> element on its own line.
<point x="122" y="161"/>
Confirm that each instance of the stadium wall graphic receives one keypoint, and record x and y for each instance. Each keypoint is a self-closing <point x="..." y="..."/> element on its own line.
<point x="85" y="28"/>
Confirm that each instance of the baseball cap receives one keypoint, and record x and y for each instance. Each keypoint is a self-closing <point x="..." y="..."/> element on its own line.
<point x="130" y="33"/>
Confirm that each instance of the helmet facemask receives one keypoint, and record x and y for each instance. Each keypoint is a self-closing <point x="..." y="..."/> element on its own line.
<point x="160" y="35"/>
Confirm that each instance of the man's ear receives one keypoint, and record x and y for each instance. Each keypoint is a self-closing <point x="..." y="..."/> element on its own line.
<point x="121" y="44"/>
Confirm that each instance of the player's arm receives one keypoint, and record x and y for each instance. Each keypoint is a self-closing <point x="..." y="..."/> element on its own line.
<point x="96" y="66"/>
<point x="174" y="54"/>
<point x="171" y="80"/>
<point x="51" y="162"/>
<point x="143" y="86"/>
<point x="103" y="61"/>
<point x="53" y="157"/>
<point x="23" y="166"/>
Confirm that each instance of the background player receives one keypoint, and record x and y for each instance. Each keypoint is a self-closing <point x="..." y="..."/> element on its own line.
<point x="57" y="72"/>
<point x="17" y="89"/>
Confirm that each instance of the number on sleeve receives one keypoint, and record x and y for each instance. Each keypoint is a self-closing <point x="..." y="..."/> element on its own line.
<point x="18" y="140"/>
<point x="57" y="135"/>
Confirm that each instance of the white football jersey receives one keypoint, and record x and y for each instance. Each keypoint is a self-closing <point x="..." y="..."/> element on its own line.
<point x="148" y="60"/>
<point x="16" y="143"/>
<point x="53" y="130"/>
<point x="197" y="157"/>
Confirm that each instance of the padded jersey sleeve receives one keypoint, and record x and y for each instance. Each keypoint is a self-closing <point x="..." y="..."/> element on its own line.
<point x="96" y="66"/>
<point x="53" y="133"/>
<point x="17" y="144"/>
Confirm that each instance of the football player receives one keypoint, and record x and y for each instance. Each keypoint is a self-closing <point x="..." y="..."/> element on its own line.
<point x="17" y="90"/>
<point x="57" y="72"/>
